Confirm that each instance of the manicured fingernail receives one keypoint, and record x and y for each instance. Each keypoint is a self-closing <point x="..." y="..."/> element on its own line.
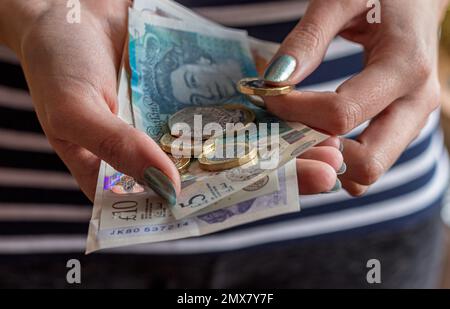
<point x="281" y="69"/>
<point x="257" y="100"/>
<point x="341" y="145"/>
<point x="337" y="187"/>
<point x="342" y="170"/>
<point x="161" y="184"/>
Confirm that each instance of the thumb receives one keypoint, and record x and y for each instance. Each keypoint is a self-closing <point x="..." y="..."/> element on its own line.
<point x="127" y="150"/>
<point x="304" y="48"/>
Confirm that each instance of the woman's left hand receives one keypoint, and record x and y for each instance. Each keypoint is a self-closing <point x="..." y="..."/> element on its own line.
<point x="396" y="91"/>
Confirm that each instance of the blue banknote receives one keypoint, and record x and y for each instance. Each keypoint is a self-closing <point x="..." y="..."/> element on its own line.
<point x="175" y="66"/>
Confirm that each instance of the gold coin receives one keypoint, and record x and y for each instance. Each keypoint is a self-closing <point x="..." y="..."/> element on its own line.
<point x="192" y="147"/>
<point x="256" y="86"/>
<point x="249" y="115"/>
<point x="182" y="164"/>
<point x="187" y="117"/>
<point x="213" y="161"/>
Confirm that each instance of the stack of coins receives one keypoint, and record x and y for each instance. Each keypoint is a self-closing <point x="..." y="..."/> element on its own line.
<point x="184" y="149"/>
<point x="187" y="147"/>
<point x="182" y="164"/>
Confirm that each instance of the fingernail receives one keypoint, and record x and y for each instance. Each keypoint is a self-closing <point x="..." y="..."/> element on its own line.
<point x="342" y="170"/>
<point x="341" y="145"/>
<point x="161" y="184"/>
<point x="281" y="69"/>
<point x="257" y="100"/>
<point x="337" y="187"/>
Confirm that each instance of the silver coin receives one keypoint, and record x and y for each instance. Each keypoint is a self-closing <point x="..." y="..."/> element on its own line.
<point x="244" y="173"/>
<point x="257" y="185"/>
<point x="216" y="115"/>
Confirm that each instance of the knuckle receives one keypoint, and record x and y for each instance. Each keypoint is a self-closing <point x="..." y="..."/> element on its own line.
<point x="345" y="114"/>
<point x="111" y="148"/>
<point x="371" y="170"/>
<point x="423" y="65"/>
<point x="357" y="190"/>
<point x="307" y="37"/>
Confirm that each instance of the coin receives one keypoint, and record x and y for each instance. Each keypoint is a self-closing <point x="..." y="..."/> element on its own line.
<point x="256" y="86"/>
<point x="209" y="115"/>
<point x="214" y="161"/>
<point x="238" y="136"/>
<point x="193" y="148"/>
<point x="258" y="185"/>
<point x="247" y="114"/>
<point x="182" y="164"/>
<point x="246" y="173"/>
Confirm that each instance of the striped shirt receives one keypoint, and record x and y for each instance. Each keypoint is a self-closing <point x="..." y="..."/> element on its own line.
<point x="43" y="211"/>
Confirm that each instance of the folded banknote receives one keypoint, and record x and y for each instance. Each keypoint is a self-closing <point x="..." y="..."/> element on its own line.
<point x="167" y="43"/>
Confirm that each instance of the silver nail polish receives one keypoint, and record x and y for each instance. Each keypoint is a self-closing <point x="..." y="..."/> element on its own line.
<point x="342" y="170"/>
<point x="281" y="69"/>
<point x="161" y="184"/>
<point x="341" y="145"/>
<point x="337" y="187"/>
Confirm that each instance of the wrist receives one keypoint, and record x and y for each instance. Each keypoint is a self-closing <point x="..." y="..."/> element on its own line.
<point x="16" y="19"/>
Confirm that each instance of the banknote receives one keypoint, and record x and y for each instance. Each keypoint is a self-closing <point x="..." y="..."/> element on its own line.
<point x="262" y="51"/>
<point x="126" y="108"/>
<point x="111" y="210"/>
<point x="108" y="177"/>
<point x="112" y="224"/>
<point x="122" y="220"/>
<point x="176" y="64"/>
<point x="105" y="200"/>
<point x="172" y="10"/>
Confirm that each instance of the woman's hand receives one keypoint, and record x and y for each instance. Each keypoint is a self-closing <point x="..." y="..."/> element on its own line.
<point x="397" y="90"/>
<point x="72" y="70"/>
